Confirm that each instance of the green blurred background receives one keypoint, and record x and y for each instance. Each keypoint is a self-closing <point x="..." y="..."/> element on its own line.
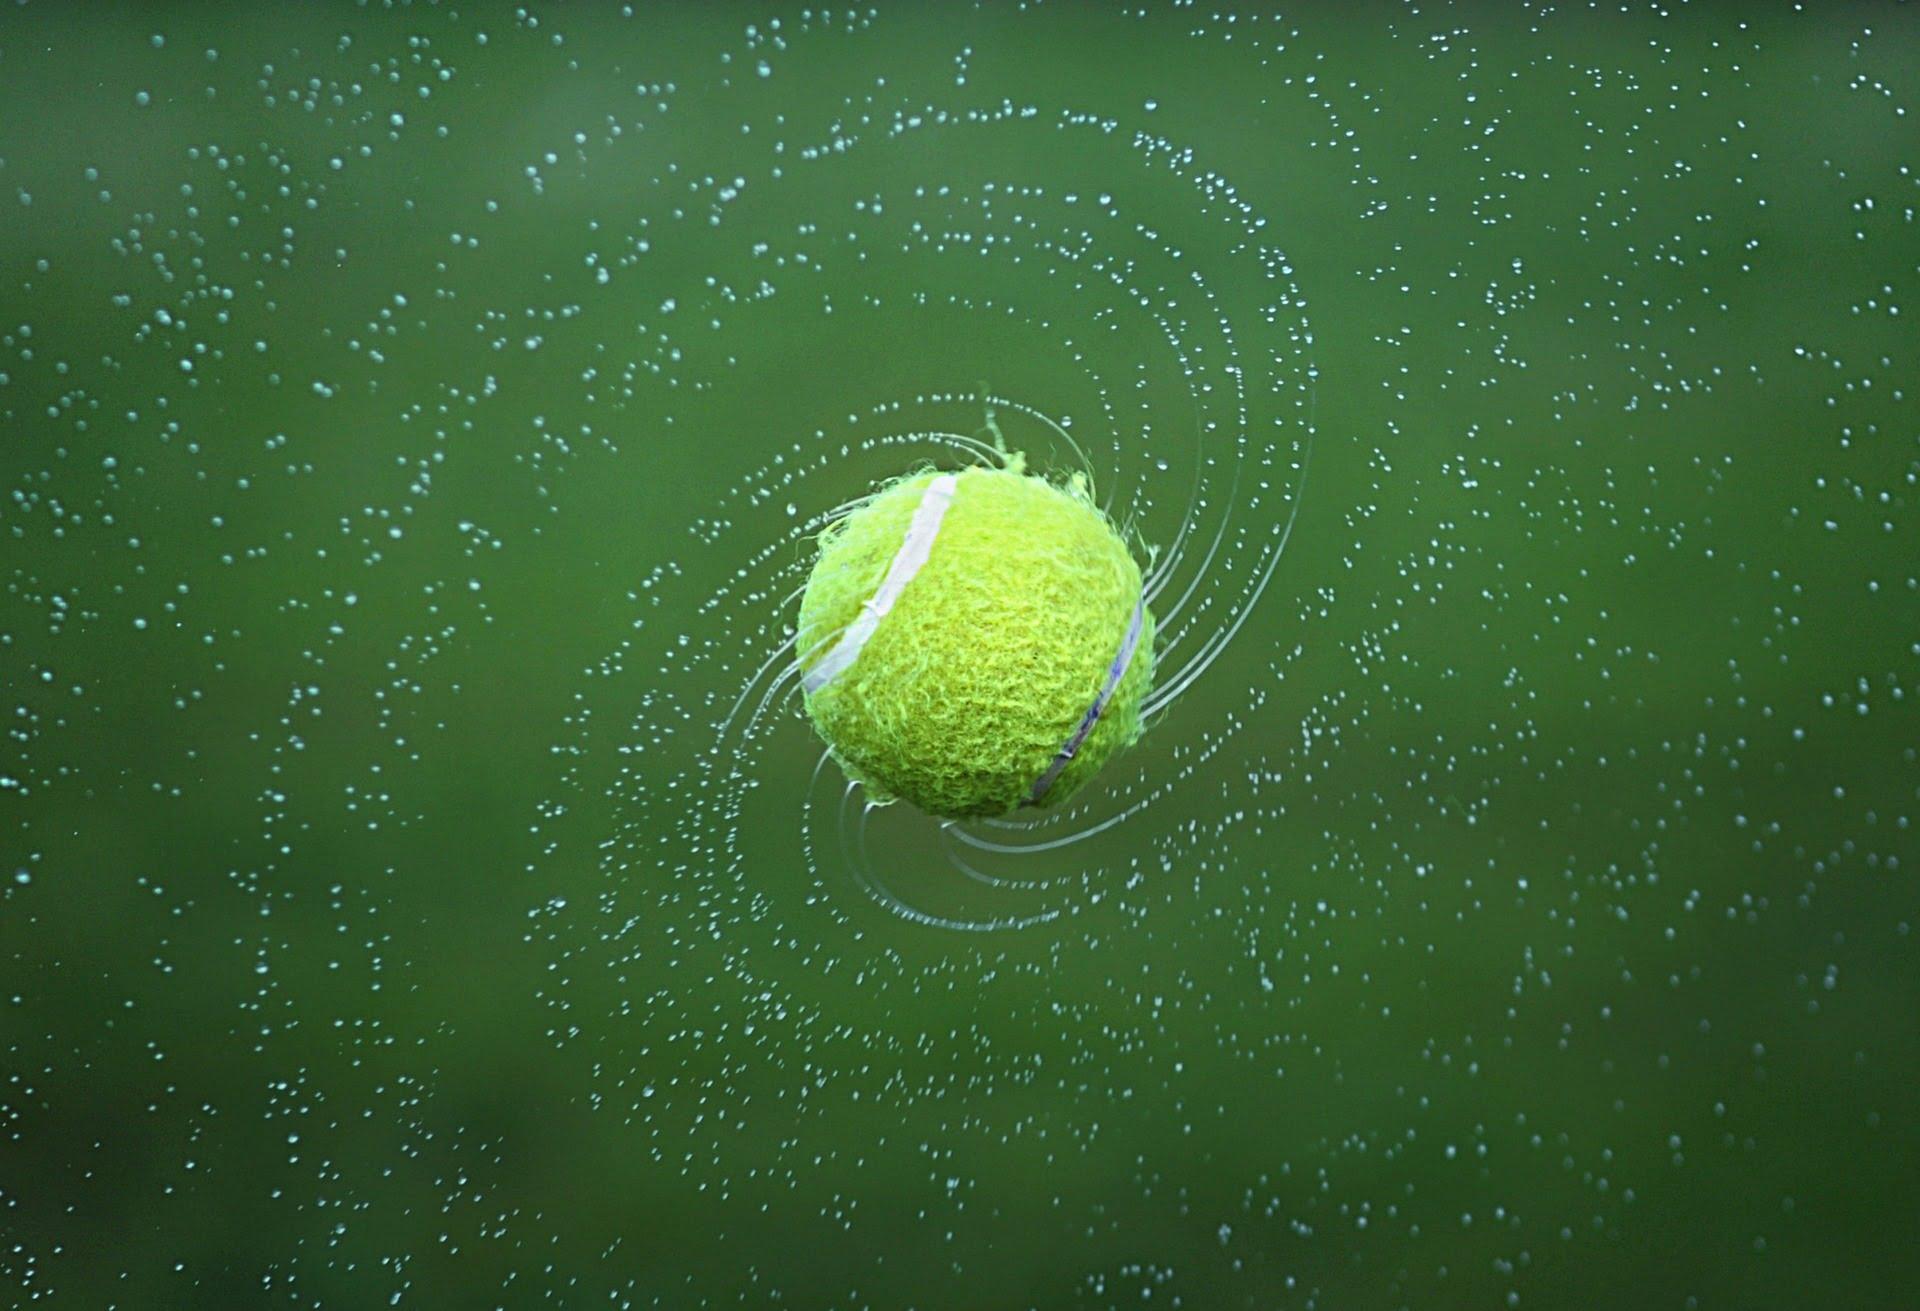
<point x="414" y="420"/>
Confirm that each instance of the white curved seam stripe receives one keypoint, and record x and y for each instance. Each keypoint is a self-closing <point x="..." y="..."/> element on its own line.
<point x="913" y="552"/>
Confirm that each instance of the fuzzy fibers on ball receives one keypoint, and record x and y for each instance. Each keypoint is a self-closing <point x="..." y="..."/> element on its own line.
<point x="975" y="642"/>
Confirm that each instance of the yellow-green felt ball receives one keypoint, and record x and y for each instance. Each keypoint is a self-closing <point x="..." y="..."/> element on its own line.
<point x="975" y="642"/>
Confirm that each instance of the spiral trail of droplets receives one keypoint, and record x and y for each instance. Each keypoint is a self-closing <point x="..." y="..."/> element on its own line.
<point x="1213" y="552"/>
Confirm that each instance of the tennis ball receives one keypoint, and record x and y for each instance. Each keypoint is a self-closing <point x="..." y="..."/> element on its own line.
<point x="975" y="642"/>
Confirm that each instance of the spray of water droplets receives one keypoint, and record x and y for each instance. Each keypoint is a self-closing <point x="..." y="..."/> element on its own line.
<point x="421" y="885"/>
